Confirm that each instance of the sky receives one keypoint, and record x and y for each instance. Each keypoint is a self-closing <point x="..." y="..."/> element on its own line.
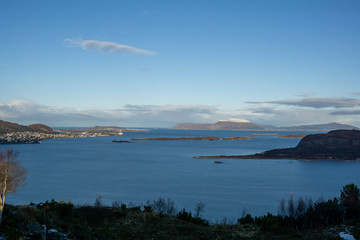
<point x="158" y="63"/>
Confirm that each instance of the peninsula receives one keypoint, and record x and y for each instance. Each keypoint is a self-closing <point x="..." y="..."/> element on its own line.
<point x="13" y="133"/>
<point x="334" y="145"/>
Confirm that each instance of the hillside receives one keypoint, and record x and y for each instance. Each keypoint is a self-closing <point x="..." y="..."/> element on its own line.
<point x="320" y="127"/>
<point x="221" y="125"/>
<point x="41" y="128"/>
<point x="242" y="124"/>
<point x="6" y="127"/>
<point x="334" y="145"/>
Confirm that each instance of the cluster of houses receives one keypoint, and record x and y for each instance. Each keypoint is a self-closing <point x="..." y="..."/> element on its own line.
<point x="36" y="137"/>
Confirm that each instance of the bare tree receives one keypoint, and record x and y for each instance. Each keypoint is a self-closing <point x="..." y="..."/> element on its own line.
<point x="301" y="207"/>
<point x="199" y="209"/>
<point x="12" y="175"/>
<point x="282" y="207"/>
<point x="291" y="206"/>
<point x="98" y="201"/>
<point x="164" y="206"/>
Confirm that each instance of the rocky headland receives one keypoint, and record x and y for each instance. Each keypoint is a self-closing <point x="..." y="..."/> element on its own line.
<point x="334" y="145"/>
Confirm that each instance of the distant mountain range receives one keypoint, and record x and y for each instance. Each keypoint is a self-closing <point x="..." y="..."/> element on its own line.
<point x="245" y="125"/>
<point x="6" y="127"/>
<point x="231" y="124"/>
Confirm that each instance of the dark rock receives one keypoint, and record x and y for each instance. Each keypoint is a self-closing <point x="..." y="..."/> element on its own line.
<point x="122" y="141"/>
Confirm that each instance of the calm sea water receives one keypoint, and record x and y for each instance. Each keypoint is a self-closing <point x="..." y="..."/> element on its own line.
<point x="80" y="169"/>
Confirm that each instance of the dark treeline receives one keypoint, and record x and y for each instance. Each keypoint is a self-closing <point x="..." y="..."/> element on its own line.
<point x="160" y="219"/>
<point x="304" y="214"/>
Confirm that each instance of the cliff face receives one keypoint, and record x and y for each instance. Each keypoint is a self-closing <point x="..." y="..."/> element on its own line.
<point x="334" y="145"/>
<point x="337" y="144"/>
<point x="338" y="139"/>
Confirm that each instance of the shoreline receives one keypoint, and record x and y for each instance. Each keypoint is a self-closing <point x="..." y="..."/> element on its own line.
<point x="192" y="138"/>
<point x="36" y="137"/>
<point x="259" y="156"/>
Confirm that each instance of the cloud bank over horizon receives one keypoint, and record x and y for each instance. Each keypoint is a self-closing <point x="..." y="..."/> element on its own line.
<point x="27" y="112"/>
<point x="129" y="115"/>
<point x="312" y="102"/>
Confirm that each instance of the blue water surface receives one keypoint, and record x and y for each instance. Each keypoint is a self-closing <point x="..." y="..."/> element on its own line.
<point x="79" y="169"/>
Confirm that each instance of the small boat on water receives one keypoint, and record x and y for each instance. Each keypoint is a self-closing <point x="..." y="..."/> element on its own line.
<point x="120" y="133"/>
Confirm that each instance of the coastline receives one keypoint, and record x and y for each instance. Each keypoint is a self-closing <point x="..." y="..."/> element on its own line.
<point x="258" y="156"/>
<point x="193" y="138"/>
<point x="27" y="137"/>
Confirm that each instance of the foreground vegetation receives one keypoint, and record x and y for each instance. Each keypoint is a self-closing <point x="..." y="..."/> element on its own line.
<point x="159" y="219"/>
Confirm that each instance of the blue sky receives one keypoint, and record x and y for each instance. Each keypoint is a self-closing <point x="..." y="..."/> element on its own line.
<point x="158" y="63"/>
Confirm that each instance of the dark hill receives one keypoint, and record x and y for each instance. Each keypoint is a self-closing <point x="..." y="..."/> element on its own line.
<point x="220" y="125"/>
<point x="229" y="125"/>
<point x="6" y="127"/>
<point x="320" y="127"/>
<point x="41" y="128"/>
<point x="334" y="145"/>
<point x="11" y="127"/>
<point x="244" y="125"/>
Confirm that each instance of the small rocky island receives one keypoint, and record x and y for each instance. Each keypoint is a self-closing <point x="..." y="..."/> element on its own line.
<point x="194" y="138"/>
<point x="294" y="136"/>
<point x="334" y="145"/>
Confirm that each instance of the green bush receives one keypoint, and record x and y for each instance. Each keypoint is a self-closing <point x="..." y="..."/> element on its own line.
<point x="248" y="219"/>
<point x="187" y="217"/>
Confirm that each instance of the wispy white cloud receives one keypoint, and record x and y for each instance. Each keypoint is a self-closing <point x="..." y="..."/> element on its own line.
<point x="291" y="116"/>
<point x="346" y="112"/>
<point x="356" y="93"/>
<point x="145" y="13"/>
<point x="25" y="112"/>
<point x="317" y="102"/>
<point x="306" y="94"/>
<point x="142" y="69"/>
<point x="106" y="47"/>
